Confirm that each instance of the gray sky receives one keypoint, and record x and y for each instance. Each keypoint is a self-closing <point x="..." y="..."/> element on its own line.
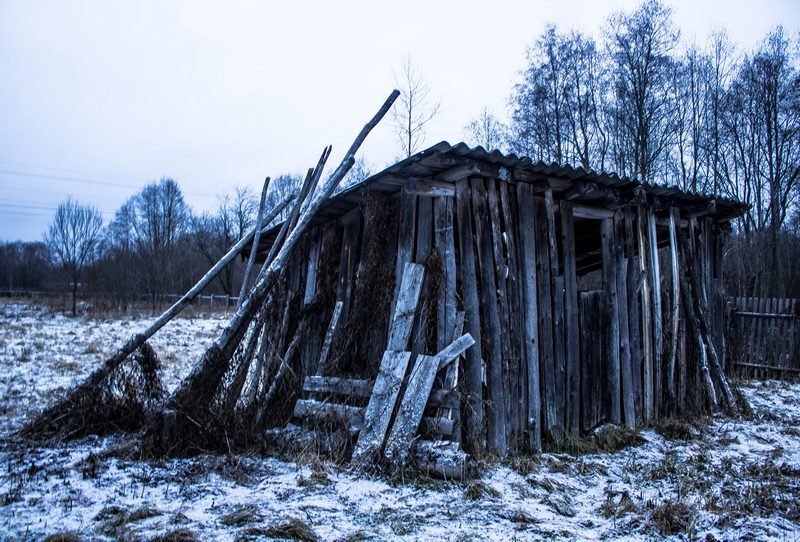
<point x="99" y="97"/>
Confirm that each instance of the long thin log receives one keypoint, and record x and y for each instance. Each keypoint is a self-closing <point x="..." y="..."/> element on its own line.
<point x="252" y="259"/>
<point x="196" y="390"/>
<point x="140" y="338"/>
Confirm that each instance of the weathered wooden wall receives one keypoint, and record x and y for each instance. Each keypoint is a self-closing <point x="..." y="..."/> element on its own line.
<point x="551" y="361"/>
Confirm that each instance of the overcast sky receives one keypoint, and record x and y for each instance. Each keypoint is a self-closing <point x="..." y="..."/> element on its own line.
<point x="99" y="97"/>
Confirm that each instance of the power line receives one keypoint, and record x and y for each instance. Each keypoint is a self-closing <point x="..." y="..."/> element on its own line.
<point x="87" y="181"/>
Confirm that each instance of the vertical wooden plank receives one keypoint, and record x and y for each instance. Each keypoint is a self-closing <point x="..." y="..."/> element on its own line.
<point x="559" y="341"/>
<point x="585" y="350"/>
<point x="497" y="435"/>
<point x="572" y="332"/>
<point x="647" y="330"/>
<point x="502" y="271"/>
<point x="473" y="437"/>
<point x="530" y="321"/>
<point x="655" y="283"/>
<point x="634" y="313"/>
<point x="545" y="299"/>
<point x="422" y="251"/>
<point x="444" y="240"/>
<point x="405" y="237"/>
<point x="313" y="264"/>
<point x="675" y="304"/>
<point x="558" y="317"/>
<point x="514" y="291"/>
<point x="611" y="322"/>
<point x="626" y="371"/>
<point x="347" y="261"/>
<point x="405" y="307"/>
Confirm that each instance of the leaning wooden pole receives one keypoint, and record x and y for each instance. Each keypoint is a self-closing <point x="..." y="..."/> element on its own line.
<point x="252" y="259"/>
<point x="199" y="387"/>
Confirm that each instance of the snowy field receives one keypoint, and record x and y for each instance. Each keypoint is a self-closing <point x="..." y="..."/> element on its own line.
<point x="719" y="479"/>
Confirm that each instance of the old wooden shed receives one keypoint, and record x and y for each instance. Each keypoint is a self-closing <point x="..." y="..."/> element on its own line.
<point x="592" y="298"/>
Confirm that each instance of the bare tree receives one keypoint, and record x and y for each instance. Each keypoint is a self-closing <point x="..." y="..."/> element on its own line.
<point x="487" y="131"/>
<point x="72" y="238"/>
<point x="640" y="45"/>
<point x="415" y="110"/>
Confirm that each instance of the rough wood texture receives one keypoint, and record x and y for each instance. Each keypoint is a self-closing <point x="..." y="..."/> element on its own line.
<point x="349" y="387"/>
<point x="320" y="412"/>
<point x="496" y="411"/>
<point x="545" y="299"/>
<point x="518" y="400"/>
<point x="658" y="330"/>
<point x="528" y="249"/>
<point x="405" y="308"/>
<point x="611" y="321"/>
<point x="634" y="312"/>
<point x="647" y="326"/>
<point x="442" y="460"/>
<point x="412" y="405"/>
<point x="572" y="332"/>
<point x="378" y="412"/>
<point x="473" y="386"/>
<point x="444" y="241"/>
<point x="332" y="327"/>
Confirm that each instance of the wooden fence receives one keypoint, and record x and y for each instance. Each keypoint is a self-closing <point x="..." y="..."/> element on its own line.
<point x="764" y="339"/>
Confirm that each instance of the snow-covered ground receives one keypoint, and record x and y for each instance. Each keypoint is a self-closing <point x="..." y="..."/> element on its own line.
<point x="720" y="479"/>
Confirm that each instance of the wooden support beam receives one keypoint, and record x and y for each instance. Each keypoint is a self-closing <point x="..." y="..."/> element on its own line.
<point x="675" y="304"/>
<point x="545" y="312"/>
<point x="626" y="371"/>
<point x="634" y="312"/>
<point x="326" y="344"/>
<point x="444" y="241"/>
<point x="528" y="279"/>
<point x="431" y="188"/>
<point x="557" y="285"/>
<point x="497" y="436"/>
<point x="611" y="322"/>
<point x="405" y="308"/>
<point x="405" y="238"/>
<point x="348" y="261"/>
<point x="349" y="387"/>
<point x="501" y="274"/>
<point x="658" y="331"/>
<point x="514" y="331"/>
<point x="572" y="332"/>
<point x="320" y="412"/>
<point x="473" y="381"/>
<point x="648" y="399"/>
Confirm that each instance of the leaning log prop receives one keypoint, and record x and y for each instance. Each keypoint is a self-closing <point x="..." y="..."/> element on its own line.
<point x="190" y="417"/>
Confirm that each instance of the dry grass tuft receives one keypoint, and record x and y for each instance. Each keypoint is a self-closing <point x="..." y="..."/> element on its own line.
<point x="63" y="537"/>
<point x="478" y="490"/>
<point x="676" y="429"/>
<point x="178" y="535"/>
<point x="613" y="438"/>
<point x="674" y="517"/>
<point x="294" y="529"/>
<point x="241" y="516"/>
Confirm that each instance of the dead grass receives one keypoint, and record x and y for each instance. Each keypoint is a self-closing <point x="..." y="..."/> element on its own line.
<point x="676" y="429"/>
<point x="178" y="535"/>
<point x="613" y="438"/>
<point x="63" y="537"/>
<point x="674" y="517"/>
<point x="293" y="529"/>
<point x="241" y="515"/>
<point x="479" y="490"/>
